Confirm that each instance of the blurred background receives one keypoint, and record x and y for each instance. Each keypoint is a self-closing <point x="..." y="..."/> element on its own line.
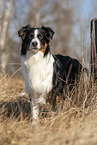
<point x="70" y="19"/>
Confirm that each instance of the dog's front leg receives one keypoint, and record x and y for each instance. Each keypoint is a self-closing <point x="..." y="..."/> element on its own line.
<point x="34" y="108"/>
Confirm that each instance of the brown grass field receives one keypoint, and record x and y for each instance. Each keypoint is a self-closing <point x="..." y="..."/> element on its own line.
<point x="75" y="124"/>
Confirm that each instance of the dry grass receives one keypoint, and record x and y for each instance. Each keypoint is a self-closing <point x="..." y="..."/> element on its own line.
<point x="75" y="124"/>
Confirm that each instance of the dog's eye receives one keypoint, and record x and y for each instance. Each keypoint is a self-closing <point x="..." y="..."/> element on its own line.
<point x="40" y="36"/>
<point x="31" y="35"/>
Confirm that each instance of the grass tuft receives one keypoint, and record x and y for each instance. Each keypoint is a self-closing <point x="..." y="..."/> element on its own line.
<point x="75" y="124"/>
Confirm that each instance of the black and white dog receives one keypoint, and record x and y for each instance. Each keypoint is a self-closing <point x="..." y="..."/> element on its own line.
<point x="43" y="72"/>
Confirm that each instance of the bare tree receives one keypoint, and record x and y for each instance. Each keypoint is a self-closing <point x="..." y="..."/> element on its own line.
<point x="3" y="31"/>
<point x="1" y="13"/>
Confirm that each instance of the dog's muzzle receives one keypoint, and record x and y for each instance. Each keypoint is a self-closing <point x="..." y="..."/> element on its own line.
<point x="35" y="44"/>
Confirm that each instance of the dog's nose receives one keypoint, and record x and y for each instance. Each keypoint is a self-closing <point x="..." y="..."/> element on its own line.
<point x="34" y="43"/>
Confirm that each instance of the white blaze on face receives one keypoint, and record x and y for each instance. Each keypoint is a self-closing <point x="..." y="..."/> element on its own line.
<point x="36" y="32"/>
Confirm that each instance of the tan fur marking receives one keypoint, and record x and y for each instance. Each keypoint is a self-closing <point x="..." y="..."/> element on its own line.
<point x="43" y="47"/>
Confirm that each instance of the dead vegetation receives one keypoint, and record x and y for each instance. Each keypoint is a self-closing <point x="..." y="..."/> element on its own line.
<point x="75" y="124"/>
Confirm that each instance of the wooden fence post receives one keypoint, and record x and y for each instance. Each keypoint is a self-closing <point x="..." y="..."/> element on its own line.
<point x="94" y="48"/>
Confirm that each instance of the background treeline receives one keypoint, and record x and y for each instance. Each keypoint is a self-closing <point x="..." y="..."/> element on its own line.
<point x="69" y="19"/>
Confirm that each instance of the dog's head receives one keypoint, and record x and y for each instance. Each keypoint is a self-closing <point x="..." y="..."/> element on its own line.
<point x="35" y="39"/>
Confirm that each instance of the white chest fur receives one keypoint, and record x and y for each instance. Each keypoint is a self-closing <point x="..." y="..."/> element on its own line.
<point x="38" y="72"/>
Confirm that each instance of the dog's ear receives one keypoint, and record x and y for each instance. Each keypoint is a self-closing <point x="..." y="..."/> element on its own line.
<point x="22" y="31"/>
<point x="49" y="32"/>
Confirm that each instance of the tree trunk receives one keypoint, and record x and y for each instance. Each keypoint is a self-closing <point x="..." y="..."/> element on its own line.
<point x="94" y="48"/>
<point x="1" y="13"/>
<point x="37" y="15"/>
<point x="3" y="29"/>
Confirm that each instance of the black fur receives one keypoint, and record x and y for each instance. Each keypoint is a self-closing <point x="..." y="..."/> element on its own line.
<point x="66" y="72"/>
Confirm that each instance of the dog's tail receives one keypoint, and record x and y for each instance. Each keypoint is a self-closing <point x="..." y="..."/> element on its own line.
<point x="94" y="48"/>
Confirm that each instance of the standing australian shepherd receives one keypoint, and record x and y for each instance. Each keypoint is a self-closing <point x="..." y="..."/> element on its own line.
<point x="43" y="72"/>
